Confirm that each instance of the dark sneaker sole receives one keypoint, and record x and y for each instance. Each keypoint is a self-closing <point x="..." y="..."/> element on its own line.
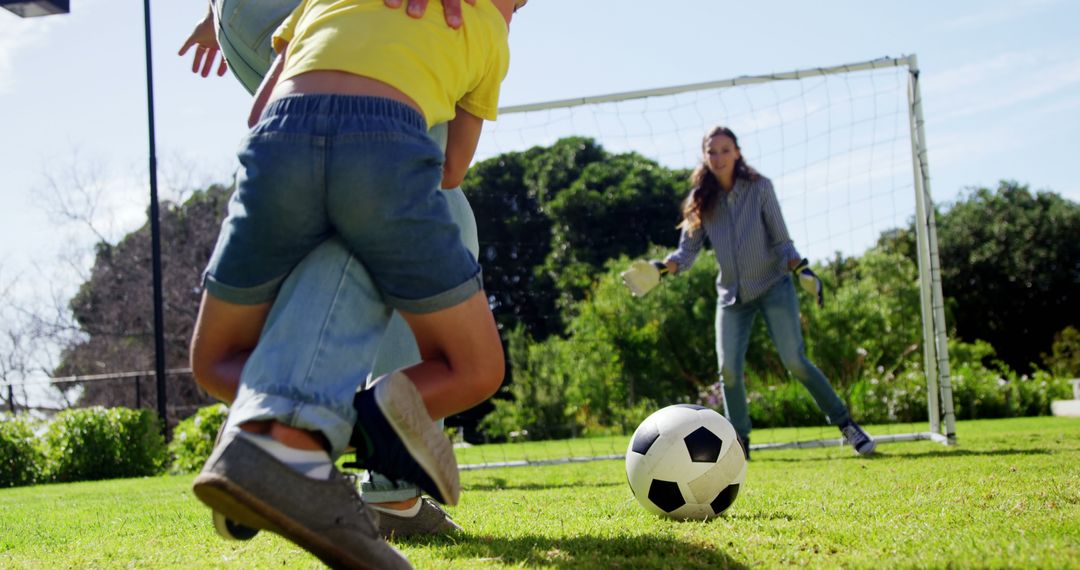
<point x="403" y="407"/>
<point x="232" y="530"/>
<point x="235" y="503"/>
<point x="226" y="527"/>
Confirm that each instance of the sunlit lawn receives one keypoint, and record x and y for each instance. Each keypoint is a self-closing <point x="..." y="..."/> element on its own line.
<point x="1007" y="496"/>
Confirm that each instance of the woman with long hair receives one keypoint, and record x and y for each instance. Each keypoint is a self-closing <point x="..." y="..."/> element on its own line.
<point x="735" y="208"/>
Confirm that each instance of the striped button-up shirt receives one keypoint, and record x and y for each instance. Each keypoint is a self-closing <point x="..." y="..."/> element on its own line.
<point x="749" y="237"/>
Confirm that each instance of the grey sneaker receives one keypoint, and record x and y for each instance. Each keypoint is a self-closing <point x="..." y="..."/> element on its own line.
<point x="326" y="517"/>
<point x="854" y="435"/>
<point x="395" y="436"/>
<point x="431" y="520"/>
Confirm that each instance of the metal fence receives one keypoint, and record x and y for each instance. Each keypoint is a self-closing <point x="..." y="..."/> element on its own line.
<point x="45" y="397"/>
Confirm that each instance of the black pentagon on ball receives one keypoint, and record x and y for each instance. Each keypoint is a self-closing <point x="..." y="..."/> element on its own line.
<point x="725" y="498"/>
<point x="666" y="495"/>
<point x="703" y="445"/>
<point x="644" y="437"/>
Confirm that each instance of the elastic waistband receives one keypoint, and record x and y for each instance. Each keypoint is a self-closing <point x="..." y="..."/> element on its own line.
<point x="346" y="105"/>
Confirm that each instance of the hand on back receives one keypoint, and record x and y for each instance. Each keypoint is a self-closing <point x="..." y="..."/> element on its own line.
<point x="416" y="9"/>
<point x="207" y="51"/>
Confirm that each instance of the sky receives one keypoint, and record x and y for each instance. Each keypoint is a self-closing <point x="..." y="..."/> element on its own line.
<point x="1000" y="82"/>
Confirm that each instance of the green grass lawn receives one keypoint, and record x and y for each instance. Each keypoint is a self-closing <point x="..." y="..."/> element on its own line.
<point x="1007" y="496"/>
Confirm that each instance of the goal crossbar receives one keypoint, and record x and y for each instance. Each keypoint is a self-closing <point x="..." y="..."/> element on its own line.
<point x="733" y="82"/>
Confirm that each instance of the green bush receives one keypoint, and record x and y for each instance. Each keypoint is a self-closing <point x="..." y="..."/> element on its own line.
<point x="1064" y="358"/>
<point x="21" y="458"/>
<point x="193" y="438"/>
<point x="104" y="443"/>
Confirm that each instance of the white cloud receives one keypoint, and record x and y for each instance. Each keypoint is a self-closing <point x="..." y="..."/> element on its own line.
<point x="997" y="13"/>
<point x="1008" y="80"/>
<point x="19" y="36"/>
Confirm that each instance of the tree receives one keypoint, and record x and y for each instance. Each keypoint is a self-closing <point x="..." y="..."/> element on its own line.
<point x="114" y="307"/>
<point x="549" y="218"/>
<point x="513" y="235"/>
<point x="1010" y="263"/>
<point x="619" y="206"/>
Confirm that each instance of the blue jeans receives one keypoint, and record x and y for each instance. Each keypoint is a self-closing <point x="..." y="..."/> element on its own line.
<point x="318" y="344"/>
<point x="358" y="314"/>
<point x="734" y="323"/>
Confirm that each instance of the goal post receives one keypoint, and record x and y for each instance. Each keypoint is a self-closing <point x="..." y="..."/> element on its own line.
<point x="935" y="341"/>
<point x="841" y="144"/>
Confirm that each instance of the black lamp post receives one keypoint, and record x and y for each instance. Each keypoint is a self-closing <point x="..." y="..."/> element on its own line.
<point x="32" y="8"/>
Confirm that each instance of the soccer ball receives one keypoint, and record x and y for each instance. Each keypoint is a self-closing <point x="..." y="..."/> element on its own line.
<point x="685" y="462"/>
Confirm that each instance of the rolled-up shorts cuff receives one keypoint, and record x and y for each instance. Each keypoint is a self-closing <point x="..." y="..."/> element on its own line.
<point x="444" y="300"/>
<point x="243" y="295"/>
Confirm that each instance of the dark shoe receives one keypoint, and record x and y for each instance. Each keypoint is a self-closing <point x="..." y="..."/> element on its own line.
<point x="225" y="527"/>
<point x="395" y="436"/>
<point x="230" y="529"/>
<point x="431" y="520"/>
<point x="854" y="435"/>
<point x="744" y="442"/>
<point x="326" y="517"/>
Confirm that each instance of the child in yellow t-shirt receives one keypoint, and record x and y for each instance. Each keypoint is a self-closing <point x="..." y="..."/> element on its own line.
<point x="340" y="150"/>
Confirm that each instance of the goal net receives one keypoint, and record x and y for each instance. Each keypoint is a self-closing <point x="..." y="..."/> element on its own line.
<point x="845" y="149"/>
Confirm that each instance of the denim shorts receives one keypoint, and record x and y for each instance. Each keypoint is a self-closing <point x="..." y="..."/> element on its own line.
<point x="244" y="28"/>
<point x="360" y="168"/>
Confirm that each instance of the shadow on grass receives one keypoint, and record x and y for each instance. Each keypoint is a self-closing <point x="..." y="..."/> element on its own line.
<point x="940" y="453"/>
<point x="635" y="552"/>
<point x="502" y="484"/>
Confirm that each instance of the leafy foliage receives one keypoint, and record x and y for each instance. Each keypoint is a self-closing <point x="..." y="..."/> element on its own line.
<point x="21" y="457"/>
<point x="104" y="443"/>
<point x="1064" y="358"/>
<point x="623" y="356"/>
<point x="193" y="439"/>
<point x="870" y="323"/>
<point x="550" y="218"/>
<point x="1010" y="263"/>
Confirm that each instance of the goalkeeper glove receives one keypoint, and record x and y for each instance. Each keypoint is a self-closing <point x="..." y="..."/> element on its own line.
<point x="810" y="281"/>
<point x="643" y="276"/>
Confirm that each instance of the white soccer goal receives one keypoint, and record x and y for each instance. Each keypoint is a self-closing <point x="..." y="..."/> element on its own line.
<point x="845" y="148"/>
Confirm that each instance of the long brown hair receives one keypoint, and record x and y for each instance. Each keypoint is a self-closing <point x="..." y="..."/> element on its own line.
<point x="704" y="187"/>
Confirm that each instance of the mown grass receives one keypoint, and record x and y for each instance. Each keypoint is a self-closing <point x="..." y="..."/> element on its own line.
<point x="1007" y="496"/>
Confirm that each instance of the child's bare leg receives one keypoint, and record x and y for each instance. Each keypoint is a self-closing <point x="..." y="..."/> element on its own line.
<point x="462" y="356"/>
<point x="225" y="334"/>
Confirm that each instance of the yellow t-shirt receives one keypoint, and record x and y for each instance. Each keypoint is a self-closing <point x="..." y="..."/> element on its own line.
<point x="438" y="67"/>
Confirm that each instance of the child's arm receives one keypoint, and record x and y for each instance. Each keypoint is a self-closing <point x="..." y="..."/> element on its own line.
<point x="262" y="95"/>
<point x="462" y="137"/>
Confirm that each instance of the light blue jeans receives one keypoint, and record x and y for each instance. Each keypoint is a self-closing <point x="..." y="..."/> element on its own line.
<point x="734" y="323"/>
<point x="330" y="296"/>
